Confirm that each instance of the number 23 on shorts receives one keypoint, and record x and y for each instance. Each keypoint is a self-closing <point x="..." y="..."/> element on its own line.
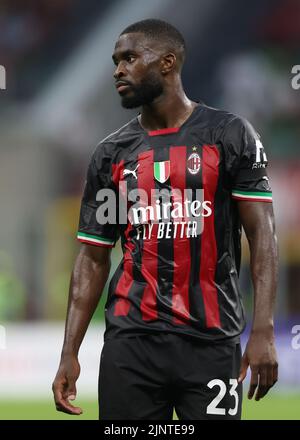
<point x="215" y="407"/>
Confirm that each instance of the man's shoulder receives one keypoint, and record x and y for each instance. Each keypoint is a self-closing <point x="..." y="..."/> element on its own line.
<point x="119" y="138"/>
<point x="228" y="127"/>
<point x="223" y="118"/>
<point x="125" y="131"/>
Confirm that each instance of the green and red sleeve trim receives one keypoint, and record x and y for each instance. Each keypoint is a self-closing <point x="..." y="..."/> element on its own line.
<point x="254" y="196"/>
<point x="94" y="239"/>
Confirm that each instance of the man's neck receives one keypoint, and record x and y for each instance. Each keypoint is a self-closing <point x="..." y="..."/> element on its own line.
<point x="171" y="109"/>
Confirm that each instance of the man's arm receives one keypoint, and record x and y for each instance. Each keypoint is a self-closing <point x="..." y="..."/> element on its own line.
<point x="88" y="279"/>
<point x="260" y="353"/>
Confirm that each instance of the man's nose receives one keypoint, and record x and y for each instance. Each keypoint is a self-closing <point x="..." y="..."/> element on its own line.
<point x="120" y="71"/>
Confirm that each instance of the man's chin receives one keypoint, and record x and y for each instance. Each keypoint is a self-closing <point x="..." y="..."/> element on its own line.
<point x="130" y="103"/>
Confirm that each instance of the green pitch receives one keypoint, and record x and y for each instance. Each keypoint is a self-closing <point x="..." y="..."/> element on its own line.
<point x="273" y="407"/>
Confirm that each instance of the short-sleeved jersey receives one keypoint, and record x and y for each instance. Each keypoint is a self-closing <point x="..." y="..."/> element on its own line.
<point x="171" y="195"/>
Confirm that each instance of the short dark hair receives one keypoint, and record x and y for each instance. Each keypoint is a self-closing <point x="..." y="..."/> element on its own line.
<point x="159" y="30"/>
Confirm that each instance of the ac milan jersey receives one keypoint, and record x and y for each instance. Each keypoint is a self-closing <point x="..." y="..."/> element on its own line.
<point x="174" y="197"/>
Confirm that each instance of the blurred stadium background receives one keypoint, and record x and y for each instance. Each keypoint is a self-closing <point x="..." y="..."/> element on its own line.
<point x="60" y="101"/>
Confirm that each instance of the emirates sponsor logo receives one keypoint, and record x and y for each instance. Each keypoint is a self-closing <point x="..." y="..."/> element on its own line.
<point x="169" y="230"/>
<point x="164" y="211"/>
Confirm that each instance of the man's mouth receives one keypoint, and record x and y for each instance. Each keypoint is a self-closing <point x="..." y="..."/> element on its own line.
<point x="122" y="86"/>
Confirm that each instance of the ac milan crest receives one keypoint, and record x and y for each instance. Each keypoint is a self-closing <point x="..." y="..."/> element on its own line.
<point x="194" y="163"/>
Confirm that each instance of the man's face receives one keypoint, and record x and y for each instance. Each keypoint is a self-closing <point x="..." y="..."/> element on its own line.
<point x="137" y="74"/>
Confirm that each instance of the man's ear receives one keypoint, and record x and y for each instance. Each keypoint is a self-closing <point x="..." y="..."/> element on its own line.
<point x="168" y="63"/>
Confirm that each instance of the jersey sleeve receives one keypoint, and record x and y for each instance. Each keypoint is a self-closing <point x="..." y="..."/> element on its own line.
<point x="247" y="163"/>
<point x="92" y="227"/>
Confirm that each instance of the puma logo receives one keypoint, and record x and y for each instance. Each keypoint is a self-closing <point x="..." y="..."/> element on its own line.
<point x="133" y="172"/>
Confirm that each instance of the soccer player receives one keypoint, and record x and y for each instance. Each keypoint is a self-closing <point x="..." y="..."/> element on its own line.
<point x="187" y="177"/>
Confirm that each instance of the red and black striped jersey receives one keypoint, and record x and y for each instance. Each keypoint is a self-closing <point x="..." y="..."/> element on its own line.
<point x="171" y="195"/>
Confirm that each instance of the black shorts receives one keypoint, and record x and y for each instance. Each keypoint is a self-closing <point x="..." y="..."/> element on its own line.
<point x="147" y="377"/>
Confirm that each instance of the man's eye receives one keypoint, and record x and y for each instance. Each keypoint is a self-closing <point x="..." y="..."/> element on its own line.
<point x="130" y="58"/>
